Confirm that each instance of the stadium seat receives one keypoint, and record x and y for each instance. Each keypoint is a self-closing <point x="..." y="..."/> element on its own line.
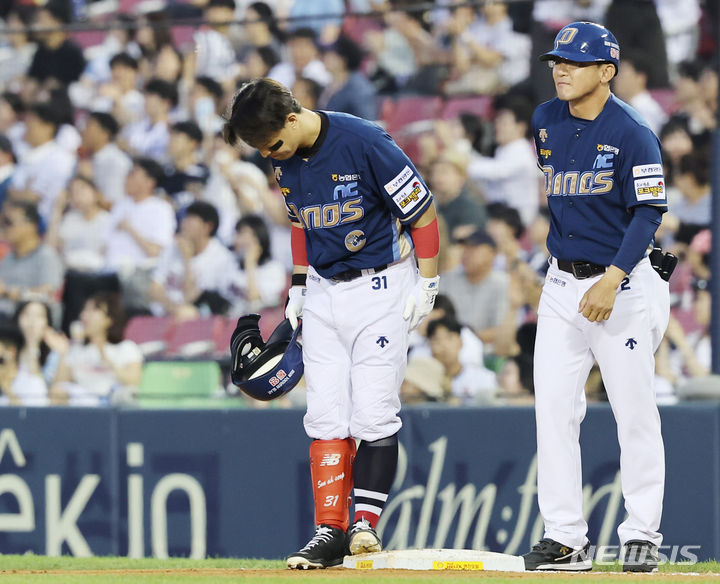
<point x="193" y="338"/>
<point x="149" y="333"/>
<point x="179" y="384"/>
<point x="410" y="109"/>
<point x="480" y="105"/>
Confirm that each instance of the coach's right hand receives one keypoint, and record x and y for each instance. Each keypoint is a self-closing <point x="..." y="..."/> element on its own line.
<point x="294" y="307"/>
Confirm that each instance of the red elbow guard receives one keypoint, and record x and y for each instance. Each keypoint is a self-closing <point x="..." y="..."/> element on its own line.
<point x="426" y="239"/>
<point x="298" y="246"/>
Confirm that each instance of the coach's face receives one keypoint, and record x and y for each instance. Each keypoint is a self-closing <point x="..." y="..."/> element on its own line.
<point x="574" y="81"/>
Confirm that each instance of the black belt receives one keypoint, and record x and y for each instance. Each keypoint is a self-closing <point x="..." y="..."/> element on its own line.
<point x="581" y="269"/>
<point x="350" y="275"/>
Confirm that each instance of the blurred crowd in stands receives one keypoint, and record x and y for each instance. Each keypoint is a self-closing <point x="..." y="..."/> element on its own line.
<point x="121" y="204"/>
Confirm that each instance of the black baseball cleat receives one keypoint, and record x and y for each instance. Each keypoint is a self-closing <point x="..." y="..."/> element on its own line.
<point x="362" y="538"/>
<point x="549" y="554"/>
<point x="640" y="556"/>
<point x="325" y="549"/>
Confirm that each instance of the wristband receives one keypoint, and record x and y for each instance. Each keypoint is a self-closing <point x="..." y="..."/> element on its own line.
<point x="298" y="246"/>
<point x="426" y="239"/>
<point x="298" y="280"/>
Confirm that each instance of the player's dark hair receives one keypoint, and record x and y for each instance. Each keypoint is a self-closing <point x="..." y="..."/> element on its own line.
<point x="448" y="322"/>
<point x="151" y="168"/>
<point x="164" y="89"/>
<point x="107" y="122"/>
<point x="259" y="110"/>
<point x="211" y="86"/>
<point x="260" y="228"/>
<point x="207" y="214"/>
<point x="696" y="163"/>
<point x="190" y="129"/>
<point x="349" y="51"/>
<point x="124" y="60"/>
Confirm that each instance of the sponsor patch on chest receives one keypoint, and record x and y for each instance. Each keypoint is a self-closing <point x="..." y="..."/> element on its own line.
<point x="649" y="189"/>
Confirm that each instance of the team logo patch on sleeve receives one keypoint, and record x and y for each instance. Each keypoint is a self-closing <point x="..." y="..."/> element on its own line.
<point x="399" y="180"/>
<point x="410" y="195"/>
<point x="649" y="189"/>
<point x="647" y="170"/>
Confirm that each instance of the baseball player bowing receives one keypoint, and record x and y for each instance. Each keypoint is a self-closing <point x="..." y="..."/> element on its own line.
<point x="601" y="298"/>
<point x="358" y="209"/>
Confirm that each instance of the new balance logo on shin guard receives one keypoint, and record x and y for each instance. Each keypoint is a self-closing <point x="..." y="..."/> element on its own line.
<point x="330" y="460"/>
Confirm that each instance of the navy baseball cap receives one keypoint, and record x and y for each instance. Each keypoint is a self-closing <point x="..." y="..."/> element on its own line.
<point x="585" y="42"/>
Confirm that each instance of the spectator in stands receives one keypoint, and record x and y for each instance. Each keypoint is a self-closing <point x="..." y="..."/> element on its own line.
<point x="31" y="268"/>
<point x="488" y="55"/>
<point x="304" y="60"/>
<point x="150" y="136"/>
<point x="214" y="54"/>
<point x="307" y="92"/>
<point x="206" y="98"/>
<point x="17" y="387"/>
<point x="693" y="211"/>
<point x="349" y="91"/>
<point x="469" y="384"/>
<point x="630" y="85"/>
<point x="461" y="211"/>
<point x="424" y="382"/>
<point x="515" y="378"/>
<point x="79" y="233"/>
<point x="506" y="228"/>
<point x="16" y="57"/>
<point x="120" y="96"/>
<point x="142" y="226"/>
<point x="58" y="59"/>
<point x="186" y="175"/>
<point x="102" y="368"/>
<point x="471" y="351"/>
<point x="12" y="110"/>
<point x="195" y="269"/>
<point x="109" y="164"/>
<point x="689" y="93"/>
<point x="261" y="32"/>
<point x="261" y="280"/>
<point x="511" y="176"/>
<point x="538" y="254"/>
<point x="7" y="166"/>
<point x="478" y="288"/>
<point x="41" y="345"/>
<point x="676" y="142"/>
<point x="260" y="61"/>
<point x="679" y="20"/>
<point x="67" y="135"/>
<point x="44" y="170"/>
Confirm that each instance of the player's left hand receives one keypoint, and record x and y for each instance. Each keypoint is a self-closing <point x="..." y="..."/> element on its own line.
<point x="421" y="301"/>
<point x="597" y="303"/>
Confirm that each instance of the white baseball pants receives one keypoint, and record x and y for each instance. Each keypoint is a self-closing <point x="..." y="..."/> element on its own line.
<point x="624" y="346"/>
<point x="355" y="344"/>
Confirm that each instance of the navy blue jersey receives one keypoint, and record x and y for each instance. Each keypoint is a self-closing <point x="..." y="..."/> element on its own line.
<point x="353" y="196"/>
<point x="595" y="172"/>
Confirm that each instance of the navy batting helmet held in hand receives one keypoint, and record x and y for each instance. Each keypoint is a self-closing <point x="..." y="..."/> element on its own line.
<point x="265" y="370"/>
<point x="585" y="42"/>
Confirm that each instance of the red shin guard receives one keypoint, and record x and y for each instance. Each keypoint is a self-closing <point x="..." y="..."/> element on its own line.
<point x="331" y="463"/>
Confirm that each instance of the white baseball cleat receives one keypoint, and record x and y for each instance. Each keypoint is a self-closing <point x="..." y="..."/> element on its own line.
<point x="362" y="538"/>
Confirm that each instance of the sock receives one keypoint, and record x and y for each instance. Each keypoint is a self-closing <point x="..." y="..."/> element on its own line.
<point x="331" y="469"/>
<point x="374" y="470"/>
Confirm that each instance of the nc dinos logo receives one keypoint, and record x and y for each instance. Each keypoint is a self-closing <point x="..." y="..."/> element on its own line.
<point x="355" y="240"/>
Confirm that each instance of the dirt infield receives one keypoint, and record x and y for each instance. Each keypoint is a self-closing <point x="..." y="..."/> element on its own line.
<point x="345" y="575"/>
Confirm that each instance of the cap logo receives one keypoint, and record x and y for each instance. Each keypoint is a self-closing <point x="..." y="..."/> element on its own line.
<point x="565" y="36"/>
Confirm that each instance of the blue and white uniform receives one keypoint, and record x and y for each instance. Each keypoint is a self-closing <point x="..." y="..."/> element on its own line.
<point x="355" y="193"/>
<point x="598" y="173"/>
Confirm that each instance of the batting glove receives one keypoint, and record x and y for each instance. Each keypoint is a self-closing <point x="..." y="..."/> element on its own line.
<point x="421" y="301"/>
<point x="294" y="308"/>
